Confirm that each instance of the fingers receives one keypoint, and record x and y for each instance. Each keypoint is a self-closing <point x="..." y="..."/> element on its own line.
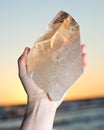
<point x="84" y="55"/>
<point x="21" y="63"/>
<point x="83" y="47"/>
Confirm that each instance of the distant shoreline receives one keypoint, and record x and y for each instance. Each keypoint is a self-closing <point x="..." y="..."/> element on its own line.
<point x="70" y="100"/>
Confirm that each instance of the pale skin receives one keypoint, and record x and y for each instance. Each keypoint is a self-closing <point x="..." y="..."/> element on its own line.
<point x="41" y="109"/>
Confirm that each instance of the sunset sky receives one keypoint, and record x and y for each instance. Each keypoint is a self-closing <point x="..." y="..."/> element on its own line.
<point x="22" y="21"/>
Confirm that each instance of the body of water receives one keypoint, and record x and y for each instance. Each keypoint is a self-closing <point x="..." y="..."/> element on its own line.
<point x="72" y="115"/>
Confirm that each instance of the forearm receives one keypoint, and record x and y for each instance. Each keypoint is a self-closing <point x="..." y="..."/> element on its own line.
<point x="39" y="115"/>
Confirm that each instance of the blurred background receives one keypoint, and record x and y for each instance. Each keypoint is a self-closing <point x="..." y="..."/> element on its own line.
<point x="21" y="23"/>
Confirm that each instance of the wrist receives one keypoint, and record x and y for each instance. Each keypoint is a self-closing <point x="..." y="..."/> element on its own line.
<point x="41" y="103"/>
<point x="42" y="112"/>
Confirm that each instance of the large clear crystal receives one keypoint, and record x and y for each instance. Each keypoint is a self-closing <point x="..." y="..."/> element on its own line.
<point x="55" y="62"/>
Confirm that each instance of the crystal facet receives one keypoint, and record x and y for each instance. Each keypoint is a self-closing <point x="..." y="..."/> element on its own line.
<point x="55" y="62"/>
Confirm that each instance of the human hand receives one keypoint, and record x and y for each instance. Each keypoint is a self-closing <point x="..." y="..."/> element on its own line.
<point x="30" y="87"/>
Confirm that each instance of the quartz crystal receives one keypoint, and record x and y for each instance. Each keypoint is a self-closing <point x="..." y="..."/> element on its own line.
<point x="55" y="62"/>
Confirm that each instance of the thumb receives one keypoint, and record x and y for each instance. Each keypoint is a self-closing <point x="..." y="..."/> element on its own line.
<point x="22" y="63"/>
